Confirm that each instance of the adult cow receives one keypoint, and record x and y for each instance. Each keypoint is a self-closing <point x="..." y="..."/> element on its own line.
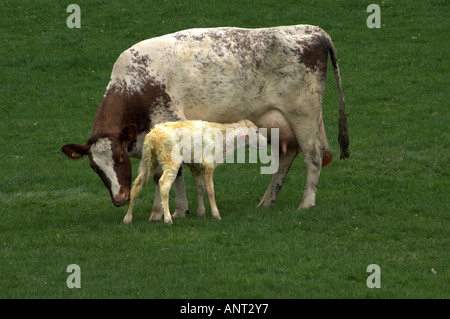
<point x="274" y="77"/>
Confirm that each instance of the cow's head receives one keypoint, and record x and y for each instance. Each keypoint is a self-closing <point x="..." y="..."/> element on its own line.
<point x="109" y="159"/>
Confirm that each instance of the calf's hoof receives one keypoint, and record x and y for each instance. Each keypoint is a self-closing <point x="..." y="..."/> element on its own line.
<point x="127" y="220"/>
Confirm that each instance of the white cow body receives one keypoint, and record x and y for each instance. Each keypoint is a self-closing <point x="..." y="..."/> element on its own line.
<point x="209" y="77"/>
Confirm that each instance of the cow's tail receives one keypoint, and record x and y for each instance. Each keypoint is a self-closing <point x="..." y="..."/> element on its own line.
<point x="343" y="135"/>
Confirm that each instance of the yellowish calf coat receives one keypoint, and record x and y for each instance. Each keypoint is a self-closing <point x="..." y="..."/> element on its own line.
<point x="157" y="157"/>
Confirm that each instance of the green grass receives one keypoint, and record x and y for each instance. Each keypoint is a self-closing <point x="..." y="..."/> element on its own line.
<point x="387" y="205"/>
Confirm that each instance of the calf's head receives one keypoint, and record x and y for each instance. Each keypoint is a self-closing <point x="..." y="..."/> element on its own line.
<point x="109" y="159"/>
<point x="251" y="134"/>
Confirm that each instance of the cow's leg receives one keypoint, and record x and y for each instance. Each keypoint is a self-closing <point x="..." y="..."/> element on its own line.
<point x="209" y="184"/>
<point x="327" y="155"/>
<point x="165" y="182"/>
<point x="308" y="136"/>
<point x="285" y="162"/>
<point x="278" y="178"/>
<point x="181" y="203"/>
<point x="157" y="210"/>
<point x="200" y="189"/>
<point x="137" y="186"/>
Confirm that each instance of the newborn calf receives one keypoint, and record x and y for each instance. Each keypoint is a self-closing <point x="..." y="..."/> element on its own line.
<point x="196" y="140"/>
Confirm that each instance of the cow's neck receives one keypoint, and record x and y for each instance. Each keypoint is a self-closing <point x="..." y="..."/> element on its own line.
<point x="118" y="110"/>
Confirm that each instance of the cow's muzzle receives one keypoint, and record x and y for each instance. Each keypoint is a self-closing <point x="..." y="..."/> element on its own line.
<point x="121" y="199"/>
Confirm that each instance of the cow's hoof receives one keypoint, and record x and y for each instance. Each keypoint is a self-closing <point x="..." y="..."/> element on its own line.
<point x="155" y="216"/>
<point x="306" y="205"/>
<point x="265" y="203"/>
<point x="201" y="212"/>
<point x="178" y="215"/>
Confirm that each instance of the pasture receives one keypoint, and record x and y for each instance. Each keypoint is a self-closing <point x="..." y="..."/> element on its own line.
<point x="386" y="205"/>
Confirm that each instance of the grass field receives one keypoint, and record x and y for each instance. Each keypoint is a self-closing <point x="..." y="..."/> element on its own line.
<point x="386" y="205"/>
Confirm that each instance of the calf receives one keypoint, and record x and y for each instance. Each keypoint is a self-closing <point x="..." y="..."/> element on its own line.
<point x="161" y="154"/>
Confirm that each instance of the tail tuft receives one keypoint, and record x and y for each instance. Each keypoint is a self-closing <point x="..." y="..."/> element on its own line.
<point x="343" y="134"/>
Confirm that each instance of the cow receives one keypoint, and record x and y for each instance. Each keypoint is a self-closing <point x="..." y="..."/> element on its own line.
<point x="275" y="77"/>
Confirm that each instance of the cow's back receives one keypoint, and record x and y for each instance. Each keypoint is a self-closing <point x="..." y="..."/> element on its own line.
<point x="222" y="74"/>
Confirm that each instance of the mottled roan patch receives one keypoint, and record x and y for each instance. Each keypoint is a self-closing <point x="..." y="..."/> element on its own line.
<point x="274" y="77"/>
<point x="314" y="53"/>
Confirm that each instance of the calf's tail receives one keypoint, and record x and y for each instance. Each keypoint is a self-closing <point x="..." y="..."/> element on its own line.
<point x="146" y="162"/>
<point x="143" y="174"/>
<point x="343" y="135"/>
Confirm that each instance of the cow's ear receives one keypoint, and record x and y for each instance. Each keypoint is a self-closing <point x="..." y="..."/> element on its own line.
<point x="128" y="133"/>
<point x="75" y="151"/>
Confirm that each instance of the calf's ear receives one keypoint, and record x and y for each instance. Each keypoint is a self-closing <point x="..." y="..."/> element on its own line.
<point x="75" y="151"/>
<point x="128" y="133"/>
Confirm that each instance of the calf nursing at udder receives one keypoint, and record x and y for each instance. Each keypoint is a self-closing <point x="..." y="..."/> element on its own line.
<point x="161" y="155"/>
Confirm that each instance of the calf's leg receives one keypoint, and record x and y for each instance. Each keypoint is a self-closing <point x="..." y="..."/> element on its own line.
<point x="157" y="209"/>
<point x="181" y="202"/>
<point x="208" y="180"/>
<point x="137" y="186"/>
<point x="200" y="189"/>
<point x="165" y="182"/>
